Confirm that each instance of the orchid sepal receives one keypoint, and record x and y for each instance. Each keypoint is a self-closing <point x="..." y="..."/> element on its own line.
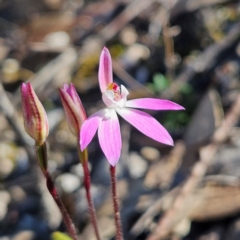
<point x="105" y="75"/>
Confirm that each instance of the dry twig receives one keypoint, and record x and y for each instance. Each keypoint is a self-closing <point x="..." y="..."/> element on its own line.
<point x="177" y="212"/>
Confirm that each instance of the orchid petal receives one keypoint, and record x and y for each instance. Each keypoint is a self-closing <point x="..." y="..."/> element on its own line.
<point x="110" y="137"/>
<point x="146" y="124"/>
<point x="153" y="104"/>
<point x="124" y="92"/>
<point x="108" y="98"/>
<point x="105" y="70"/>
<point x="89" y="128"/>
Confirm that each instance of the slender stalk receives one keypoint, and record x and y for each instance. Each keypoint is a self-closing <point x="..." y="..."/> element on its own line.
<point x="66" y="218"/>
<point x="117" y="217"/>
<point x="87" y="183"/>
<point x="42" y="160"/>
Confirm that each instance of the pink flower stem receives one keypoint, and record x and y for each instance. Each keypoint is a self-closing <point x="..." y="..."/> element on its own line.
<point x="117" y="217"/>
<point x="87" y="183"/>
<point x="42" y="160"/>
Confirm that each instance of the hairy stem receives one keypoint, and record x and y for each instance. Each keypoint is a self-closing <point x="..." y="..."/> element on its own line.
<point x="66" y="218"/>
<point x="42" y="160"/>
<point x="117" y="217"/>
<point x="87" y="183"/>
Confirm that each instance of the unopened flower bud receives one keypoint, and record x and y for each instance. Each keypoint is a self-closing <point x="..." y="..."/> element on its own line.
<point x="35" y="117"/>
<point x="73" y="108"/>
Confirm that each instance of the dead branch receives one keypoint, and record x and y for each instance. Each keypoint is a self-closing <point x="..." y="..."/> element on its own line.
<point x="176" y="213"/>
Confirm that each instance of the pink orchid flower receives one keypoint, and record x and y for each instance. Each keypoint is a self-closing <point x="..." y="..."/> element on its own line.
<point x="106" y="120"/>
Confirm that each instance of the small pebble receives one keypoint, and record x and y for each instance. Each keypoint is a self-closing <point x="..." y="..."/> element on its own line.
<point x="17" y="193"/>
<point x="183" y="227"/>
<point x="57" y="39"/>
<point x="128" y="35"/>
<point x="24" y="235"/>
<point x="150" y="153"/>
<point x="134" y="54"/>
<point x="68" y="182"/>
<point x="137" y="165"/>
<point x="5" y="199"/>
<point x="10" y="68"/>
<point x="7" y="167"/>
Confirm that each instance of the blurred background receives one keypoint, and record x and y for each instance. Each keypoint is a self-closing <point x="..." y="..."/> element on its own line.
<point x="187" y="51"/>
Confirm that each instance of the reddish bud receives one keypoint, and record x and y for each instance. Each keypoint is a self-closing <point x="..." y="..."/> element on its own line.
<point x="35" y="117"/>
<point x="73" y="108"/>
